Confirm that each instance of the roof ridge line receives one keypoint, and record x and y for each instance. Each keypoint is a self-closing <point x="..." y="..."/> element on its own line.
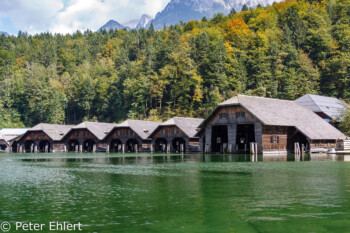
<point x="310" y="95"/>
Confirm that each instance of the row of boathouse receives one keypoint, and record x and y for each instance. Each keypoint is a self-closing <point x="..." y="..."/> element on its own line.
<point x="272" y="125"/>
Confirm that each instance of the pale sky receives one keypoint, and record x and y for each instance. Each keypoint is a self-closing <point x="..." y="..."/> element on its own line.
<point x="67" y="16"/>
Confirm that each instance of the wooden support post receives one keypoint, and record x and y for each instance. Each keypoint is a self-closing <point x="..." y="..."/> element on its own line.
<point x="302" y="149"/>
<point x="152" y="148"/>
<point x="224" y="148"/>
<point x="46" y="148"/>
<point x="94" y="147"/>
<point x="107" y="150"/>
<point x="80" y="148"/>
<point x="229" y="149"/>
<point x="119" y="148"/>
<point x="206" y="149"/>
<point x="256" y="148"/>
<point x="168" y="148"/>
<point x="123" y="148"/>
<point x="136" y="148"/>
<point x="182" y="148"/>
<point x="252" y="148"/>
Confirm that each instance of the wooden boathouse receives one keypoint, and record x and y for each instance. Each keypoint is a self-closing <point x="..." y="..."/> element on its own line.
<point x="328" y="108"/>
<point x="274" y="125"/>
<point x="43" y="138"/>
<point x="87" y="137"/>
<point x="8" y="138"/>
<point x="176" y="135"/>
<point x="131" y="136"/>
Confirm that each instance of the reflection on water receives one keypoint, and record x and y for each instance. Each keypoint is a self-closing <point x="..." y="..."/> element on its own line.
<point x="178" y="193"/>
<point x="171" y="158"/>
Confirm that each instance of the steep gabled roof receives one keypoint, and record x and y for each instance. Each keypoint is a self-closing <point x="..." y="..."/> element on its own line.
<point x="332" y="107"/>
<point x="187" y="125"/>
<point x="284" y="113"/>
<point x="100" y="130"/>
<point x="8" y="134"/>
<point x="54" y="131"/>
<point x="142" y="128"/>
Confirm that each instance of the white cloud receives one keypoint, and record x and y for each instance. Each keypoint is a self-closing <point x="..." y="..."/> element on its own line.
<point x="67" y="16"/>
<point x="32" y="16"/>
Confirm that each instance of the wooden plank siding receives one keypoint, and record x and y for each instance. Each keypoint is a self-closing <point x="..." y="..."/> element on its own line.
<point x="231" y="121"/>
<point x="269" y="132"/>
<point x="80" y="135"/>
<point x="124" y="134"/>
<point x="36" y="137"/>
<point x="169" y="133"/>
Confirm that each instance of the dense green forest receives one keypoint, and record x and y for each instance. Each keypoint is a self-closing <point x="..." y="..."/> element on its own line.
<point x="281" y="51"/>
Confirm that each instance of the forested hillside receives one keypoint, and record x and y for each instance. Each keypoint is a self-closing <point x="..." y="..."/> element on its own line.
<point x="281" y="51"/>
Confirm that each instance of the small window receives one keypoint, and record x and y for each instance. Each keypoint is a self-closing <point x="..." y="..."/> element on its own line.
<point x="223" y="116"/>
<point x="32" y="135"/>
<point x="86" y="133"/>
<point x="274" y="139"/>
<point x="118" y="132"/>
<point x="129" y="132"/>
<point x="164" y="131"/>
<point x="41" y="134"/>
<point x="240" y="115"/>
<point x="175" y="131"/>
<point x="75" y="134"/>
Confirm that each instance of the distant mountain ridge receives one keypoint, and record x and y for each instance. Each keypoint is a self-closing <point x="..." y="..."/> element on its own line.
<point x="4" y="33"/>
<point x="112" y="24"/>
<point x="136" y="23"/>
<point x="144" y="21"/>
<point x="186" y="10"/>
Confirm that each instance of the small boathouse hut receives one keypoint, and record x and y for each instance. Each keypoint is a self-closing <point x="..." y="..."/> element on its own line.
<point x="176" y="135"/>
<point x="131" y="136"/>
<point x="8" y="137"/>
<point x="274" y="125"/>
<point x="87" y="137"/>
<point x="329" y="108"/>
<point x="43" y="138"/>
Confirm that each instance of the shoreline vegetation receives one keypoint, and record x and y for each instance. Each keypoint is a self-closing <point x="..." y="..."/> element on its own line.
<point x="281" y="51"/>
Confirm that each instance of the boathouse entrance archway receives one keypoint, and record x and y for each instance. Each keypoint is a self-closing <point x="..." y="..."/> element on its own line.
<point x="115" y="145"/>
<point x="245" y="135"/>
<point x="73" y="145"/>
<point x="161" y="145"/>
<point x="29" y="146"/>
<point x="294" y="136"/>
<point x="45" y="146"/>
<point x="132" y="145"/>
<point x="218" y="138"/>
<point x="179" y="145"/>
<point x="88" y="145"/>
<point x="14" y="147"/>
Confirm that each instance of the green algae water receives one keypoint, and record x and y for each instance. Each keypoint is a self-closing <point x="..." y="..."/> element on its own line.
<point x="177" y="193"/>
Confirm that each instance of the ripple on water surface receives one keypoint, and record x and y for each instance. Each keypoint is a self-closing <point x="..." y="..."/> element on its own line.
<point x="167" y="193"/>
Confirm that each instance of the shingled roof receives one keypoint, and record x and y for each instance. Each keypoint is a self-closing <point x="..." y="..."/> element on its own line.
<point x="54" y="131"/>
<point x="100" y="130"/>
<point x="8" y="134"/>
<point x="284" y="113"/>
<point x="332" y="107"/>
<point x="187" y="125"/>
<point x="142" y="128"/>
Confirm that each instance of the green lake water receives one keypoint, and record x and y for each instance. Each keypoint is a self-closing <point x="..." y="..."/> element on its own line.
<point x="177" y="193"/>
